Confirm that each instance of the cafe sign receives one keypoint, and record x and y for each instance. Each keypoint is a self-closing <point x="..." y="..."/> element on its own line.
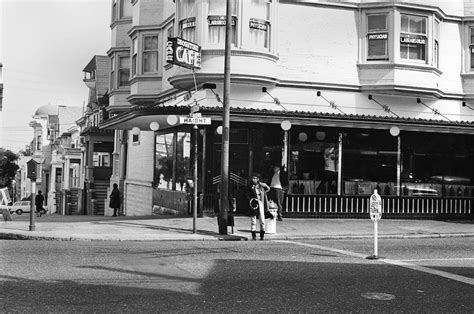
<point x="183" y="53"/>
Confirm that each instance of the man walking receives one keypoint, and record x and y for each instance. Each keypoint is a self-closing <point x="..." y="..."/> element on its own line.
<point x="39" y="199"/>
<point x="278" y="186"/>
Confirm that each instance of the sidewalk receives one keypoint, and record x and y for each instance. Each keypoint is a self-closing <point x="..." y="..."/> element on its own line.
<point x="171" y="228"/>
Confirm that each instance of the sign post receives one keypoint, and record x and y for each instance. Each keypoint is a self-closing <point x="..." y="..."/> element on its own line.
<point x="31" y="173"/>
<point x="375" y="215"/>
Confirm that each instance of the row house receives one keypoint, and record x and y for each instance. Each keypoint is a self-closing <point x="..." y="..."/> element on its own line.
<point x="348" y="96"/>
<point x="49" y="123"/>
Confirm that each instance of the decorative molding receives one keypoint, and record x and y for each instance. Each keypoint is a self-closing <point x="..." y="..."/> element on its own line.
<point x="113" y="50"/>
<point x="127" y="20"/>
<point x="246" y="53"/>
<point x="146" y="77"/>
<point x="400" y="66"/>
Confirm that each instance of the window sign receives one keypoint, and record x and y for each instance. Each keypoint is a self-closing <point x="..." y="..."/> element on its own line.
<point x="378" y="36"/>
<point x="183" y="53"/>
<point x="188" y="23"/>
<point x="219" y="20"/>
<point x="412" y="40"/>
<point x="258" y="24"/>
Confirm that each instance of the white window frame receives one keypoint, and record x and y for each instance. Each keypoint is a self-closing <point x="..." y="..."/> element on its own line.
<point x="150" y="51"/>
<point x="112" y="73"/>
<point x="134" y="60"/>
<point x="378" y="35"/>
<point x="216" y="21"/>
<point x="259" y="26"/>
<point x="123" y="70"/>
<point x="414" y="40"/>
<point x="471" y="47"/>
<point x="187" y="20"/>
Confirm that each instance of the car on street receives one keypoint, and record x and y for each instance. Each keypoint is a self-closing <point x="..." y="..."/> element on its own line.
<point x="20" y="207"/>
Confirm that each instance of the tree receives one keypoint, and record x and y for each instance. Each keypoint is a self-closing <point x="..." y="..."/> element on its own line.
<point x="8" y="167"/>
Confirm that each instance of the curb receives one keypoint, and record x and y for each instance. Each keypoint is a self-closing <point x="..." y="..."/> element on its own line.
<point x="18" y="236"/>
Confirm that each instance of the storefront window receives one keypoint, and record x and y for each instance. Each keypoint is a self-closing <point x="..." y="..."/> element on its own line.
<point x="313" y="161"/>
<point x="442" y="166"/>
<point x="369" y="162"/>
<point x="172" y="161"/>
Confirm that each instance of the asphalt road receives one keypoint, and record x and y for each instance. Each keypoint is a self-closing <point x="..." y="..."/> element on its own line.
<point x="415" y="275"/>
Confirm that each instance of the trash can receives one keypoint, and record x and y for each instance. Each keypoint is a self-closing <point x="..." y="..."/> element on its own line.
<point x="270" y="224"/>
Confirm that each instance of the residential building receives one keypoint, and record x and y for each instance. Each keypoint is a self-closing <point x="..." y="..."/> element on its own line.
<point x="347" y="96"/>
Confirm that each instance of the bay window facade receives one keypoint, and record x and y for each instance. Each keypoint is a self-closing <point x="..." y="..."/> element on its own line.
<point x="413" y="37"/>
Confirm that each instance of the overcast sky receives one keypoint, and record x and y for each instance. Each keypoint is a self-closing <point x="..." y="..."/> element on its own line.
<point x="44" y="46"/>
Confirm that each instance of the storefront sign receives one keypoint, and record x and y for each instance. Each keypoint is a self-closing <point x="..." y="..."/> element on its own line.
<point x="219" y="20"/>
<point x="258" y="24"/>
<point x="183" y="53"/>
<point x="412" y="40"/>
<point x="378" y="36"/>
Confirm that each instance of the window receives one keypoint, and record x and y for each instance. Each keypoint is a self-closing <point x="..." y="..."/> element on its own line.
<point x="38" y="142"/>
<point x="134" y="56"/>
<point x="124" y="71"/>
<point x="471" y="47"/>
<point x="217" y="20"/>
<point x="135" y="138"/>
<point x="114" y="10"/>
<point x="436" y="44"/>
<point x="377" y="37"/>
<point x="150" y="54"/>
<point x="171" y="30"/>
<point x="172" y="158"/>
<point x="187" y="23"/>
<point x="413" y="37"/>
<point x="125" y="9"/>
<point x="259" y="24"/>
<point x="112" y="72"/>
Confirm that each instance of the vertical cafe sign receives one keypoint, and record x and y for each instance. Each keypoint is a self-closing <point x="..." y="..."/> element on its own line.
<point x="183" y="53"/>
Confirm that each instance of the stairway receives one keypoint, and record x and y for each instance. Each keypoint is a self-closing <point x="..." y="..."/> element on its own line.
<point x="72" y="202"/>
<point x="99" y="196"/>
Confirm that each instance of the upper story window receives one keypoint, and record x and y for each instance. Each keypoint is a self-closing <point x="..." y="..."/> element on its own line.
<point x="134" y="56"/>
<point x="150" y="54"/>
<point x="121" y="9"/>
<point x="436" y="44"/>
<point x="471" y="47"/>
<point x="217" y="21"/>
<point x="112" y="72"/>
<point x="377" y="37"/>
<point x="123" y="71"/>
<point x="187" y="20"/>
<point x="259" y="23"/>
<point x="413" y="37"/>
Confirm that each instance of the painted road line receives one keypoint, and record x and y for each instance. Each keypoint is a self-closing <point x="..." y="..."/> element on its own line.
<point x="438" y="259"/>
<point x="467" y="280"/>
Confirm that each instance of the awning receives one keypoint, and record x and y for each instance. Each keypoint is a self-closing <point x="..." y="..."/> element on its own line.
<point x="142" y="117"/>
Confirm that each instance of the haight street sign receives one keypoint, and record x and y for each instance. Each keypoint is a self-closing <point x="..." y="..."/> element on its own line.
<point x="183" y="53"/>
<point x="190" y="120"/>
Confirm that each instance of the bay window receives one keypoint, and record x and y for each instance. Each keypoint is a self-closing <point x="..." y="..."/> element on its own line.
<point x="413" y="37"/>
<point x="377" y="37"/>
<point x="259" y="23"/>
<point x="150" y="54"/>
<point x="112" y="72"/>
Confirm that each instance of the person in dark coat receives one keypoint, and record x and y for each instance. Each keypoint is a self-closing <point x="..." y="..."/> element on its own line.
<point x="258" y="202"/>
<point x="115" y="199"/>
<point x="39" y="199"/>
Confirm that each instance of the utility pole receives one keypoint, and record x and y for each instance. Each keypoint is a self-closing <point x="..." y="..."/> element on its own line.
<point x="224" y="197"/>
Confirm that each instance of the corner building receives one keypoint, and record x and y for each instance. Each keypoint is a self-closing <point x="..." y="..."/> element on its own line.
<point x="348" y="96"/>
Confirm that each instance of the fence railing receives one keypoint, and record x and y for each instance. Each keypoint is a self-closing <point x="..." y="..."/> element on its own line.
<point x="355" y="205"/>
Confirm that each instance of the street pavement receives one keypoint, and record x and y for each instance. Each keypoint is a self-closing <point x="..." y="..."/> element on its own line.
<point x="181" y="228"/>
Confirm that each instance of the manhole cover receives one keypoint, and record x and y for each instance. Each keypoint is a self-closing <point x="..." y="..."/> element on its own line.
<point x="378" y="296"/>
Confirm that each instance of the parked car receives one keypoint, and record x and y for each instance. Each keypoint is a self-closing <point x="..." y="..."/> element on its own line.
<point x="20" y="207"/>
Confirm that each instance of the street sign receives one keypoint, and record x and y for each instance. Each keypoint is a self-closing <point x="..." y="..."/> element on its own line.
<point x="189" y="120"/>
<point x="195" y="115"/>
<point x="195" y="108"/>
<point x="31" y="169"/>
<point x="375" y="206"/>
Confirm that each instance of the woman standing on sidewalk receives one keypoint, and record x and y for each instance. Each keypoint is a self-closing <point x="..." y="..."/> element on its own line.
<point x="258" y="202"/>
<point x="115" y="199"/>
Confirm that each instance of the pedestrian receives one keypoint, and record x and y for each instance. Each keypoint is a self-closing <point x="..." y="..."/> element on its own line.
<point x="278" y="187"/>
<point x="39" y="199"/>
<point x="258" y="203"/>
<point x="115" y="199"/>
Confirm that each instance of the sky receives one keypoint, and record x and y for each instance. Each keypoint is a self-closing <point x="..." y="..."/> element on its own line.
<point x="44" y="46"/>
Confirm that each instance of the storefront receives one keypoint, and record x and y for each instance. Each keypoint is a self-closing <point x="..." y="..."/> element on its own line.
<point x="420" y="168"/>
